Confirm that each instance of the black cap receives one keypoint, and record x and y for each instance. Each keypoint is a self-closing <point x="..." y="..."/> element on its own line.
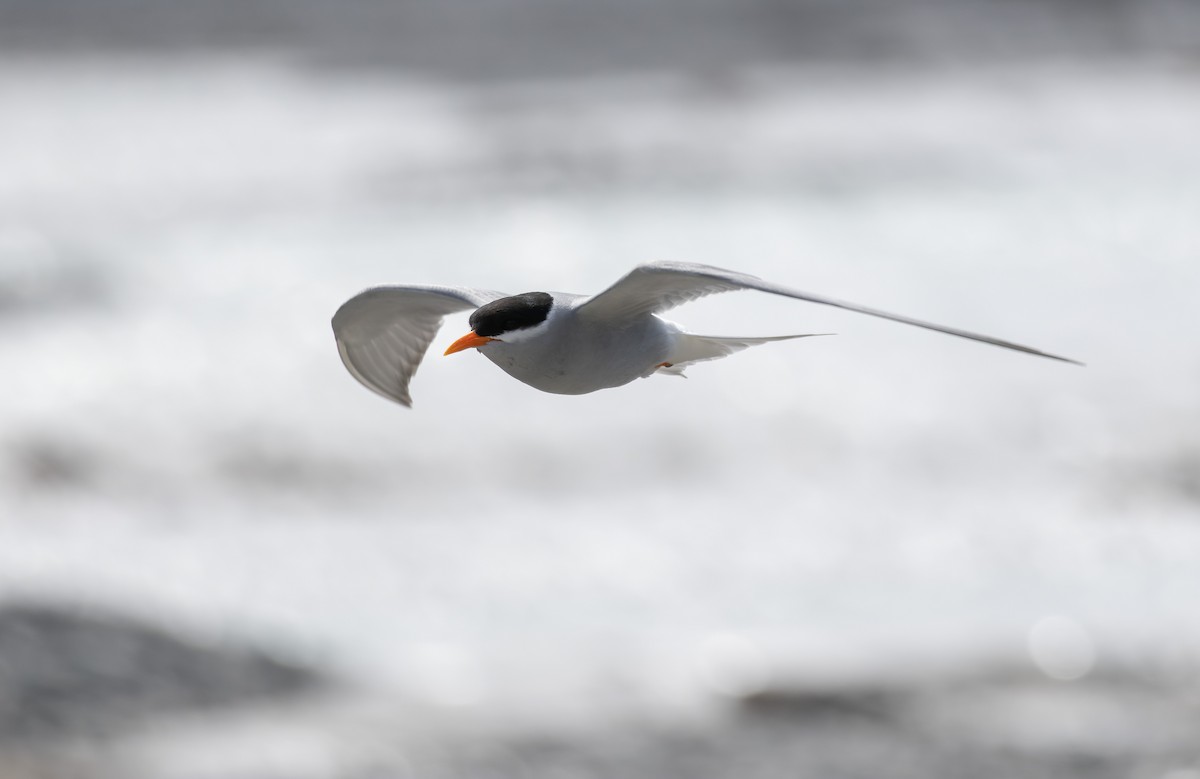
<point x="512" y="313"/>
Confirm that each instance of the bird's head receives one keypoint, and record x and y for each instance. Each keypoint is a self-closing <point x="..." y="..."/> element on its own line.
<point x="509" y="320"/>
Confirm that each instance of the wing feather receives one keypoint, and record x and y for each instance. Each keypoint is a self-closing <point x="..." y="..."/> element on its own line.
<point x="383" y="333"/>
<point x="652" y="289"/>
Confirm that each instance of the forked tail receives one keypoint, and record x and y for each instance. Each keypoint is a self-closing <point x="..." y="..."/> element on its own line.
<point x="691" y="348"/>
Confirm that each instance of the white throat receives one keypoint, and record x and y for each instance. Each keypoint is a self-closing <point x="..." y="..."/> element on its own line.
<point x="530" y="333"/>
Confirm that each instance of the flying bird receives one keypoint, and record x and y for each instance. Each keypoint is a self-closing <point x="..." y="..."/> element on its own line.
<point x="560" y="342"/>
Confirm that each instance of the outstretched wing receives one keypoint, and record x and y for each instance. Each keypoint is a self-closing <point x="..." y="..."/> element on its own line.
<point x="383" y="332"/>
<point x="652" y="289"/>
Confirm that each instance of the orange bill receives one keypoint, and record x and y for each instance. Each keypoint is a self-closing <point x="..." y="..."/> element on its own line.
<point x="468" y="341"/>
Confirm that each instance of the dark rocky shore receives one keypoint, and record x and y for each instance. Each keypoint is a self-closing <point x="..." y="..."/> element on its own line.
<point x="1007" y="725"/>
<point x="68" y="678"/>
<point x="518" y="39"/>
<point x="66" y="673"/>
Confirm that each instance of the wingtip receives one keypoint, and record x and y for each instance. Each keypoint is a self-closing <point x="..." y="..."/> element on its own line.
<point x="403" y="398"/>
<point x="1063" y="359"/>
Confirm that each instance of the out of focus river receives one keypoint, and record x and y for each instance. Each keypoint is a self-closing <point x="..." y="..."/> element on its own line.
<point x="179" y="440"/>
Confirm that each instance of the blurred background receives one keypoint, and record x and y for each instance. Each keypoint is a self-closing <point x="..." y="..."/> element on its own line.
<point x="888" y="552"/>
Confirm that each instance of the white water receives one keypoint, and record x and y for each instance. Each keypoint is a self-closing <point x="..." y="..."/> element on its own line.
<point x="181" y="441"/>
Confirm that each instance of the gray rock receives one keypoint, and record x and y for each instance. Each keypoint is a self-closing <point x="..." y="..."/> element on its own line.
<point x="68" y="672"/>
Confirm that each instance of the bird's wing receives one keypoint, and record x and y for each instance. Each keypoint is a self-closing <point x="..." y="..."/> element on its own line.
<point x="383" y="332"/>
<point x="652" y="289"/>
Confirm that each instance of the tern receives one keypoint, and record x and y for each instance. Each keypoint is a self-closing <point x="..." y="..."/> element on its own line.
<point x="565" y="343"/>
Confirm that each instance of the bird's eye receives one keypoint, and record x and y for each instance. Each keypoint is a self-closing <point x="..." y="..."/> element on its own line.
<point x="511" y="324"/>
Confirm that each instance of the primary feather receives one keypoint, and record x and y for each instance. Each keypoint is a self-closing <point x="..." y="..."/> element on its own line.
<point x="383" y="333"/>
<point x="662" y="286"/>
